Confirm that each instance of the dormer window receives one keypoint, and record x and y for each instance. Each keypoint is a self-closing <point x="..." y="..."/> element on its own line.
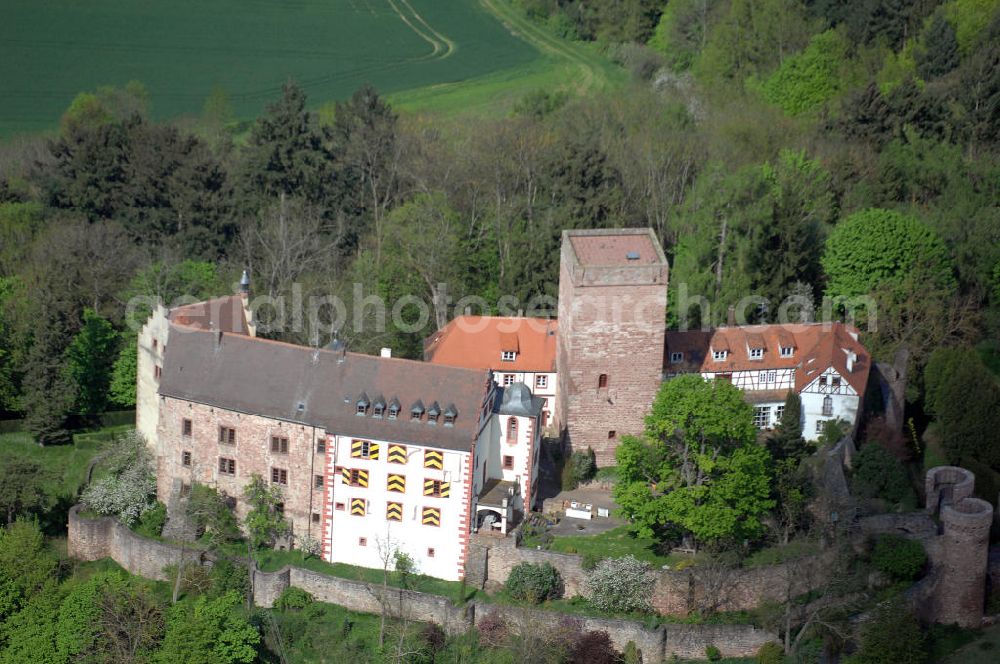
<point x="508" y="355"/>
<point x="361" y="405"/>
<point x="433" y="413"/>
<point x="756" y="353"/>
<point x="719" y="355"/>
<point x="416" y="410"/>
<point x="787" y="351"/>
<point x="676" y="357"/>
<point x="378" y="408"/>
<point x="394" y="409"/>
<point x="449" y="415"/>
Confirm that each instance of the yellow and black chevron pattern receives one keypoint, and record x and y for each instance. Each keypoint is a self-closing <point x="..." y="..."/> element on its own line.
<point x="355" y="473"/>
<point x="357" y="506"/>
<point x="397" y="454"/>
<point x="396" y="483"/>
<point x="433" y="459"/>
<point x="358" y="450"/>
<point x="431" y="485"/>
<point x="394" y="511"/>
<point x="431" y="516"/>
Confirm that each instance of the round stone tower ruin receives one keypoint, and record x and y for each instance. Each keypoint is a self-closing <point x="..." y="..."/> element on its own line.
<point x="960" y="591"/>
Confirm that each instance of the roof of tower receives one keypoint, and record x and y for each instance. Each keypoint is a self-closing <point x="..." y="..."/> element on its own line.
<point x="615" y="247"/>
<point x="321" y="388"/>
<point x="518" y="400"/>
<point x="222" y="313"/>
<point x="478" y="342"/>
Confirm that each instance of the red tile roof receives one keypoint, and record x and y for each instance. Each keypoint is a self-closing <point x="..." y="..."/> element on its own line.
<point x="600" y="250"/>
<point x="476" y="342"/>
<point x="818" y="346"/>
<point x="222" y="313"/>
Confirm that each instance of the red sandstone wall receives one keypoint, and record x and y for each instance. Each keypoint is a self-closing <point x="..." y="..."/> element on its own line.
<point x="252" y="453"/>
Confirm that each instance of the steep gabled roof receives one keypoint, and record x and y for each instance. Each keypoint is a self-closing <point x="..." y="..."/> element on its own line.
<point x="476" y="342"/>
<point x="221" y="313"/>
<point x="320" y="387"/>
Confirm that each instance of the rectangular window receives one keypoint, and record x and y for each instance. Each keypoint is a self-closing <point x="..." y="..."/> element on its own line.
<point x="611" y="434"/>
<point x="819" y="425"/>
<point x="676" y="357"/>
<point x="157" y="372"/>
<point x="762" y="416"/>
<point x="321" y="446"/>
<point x="430" y="516"/>
<point x="719" y="355"/>
<point x="362" y="541"/>
<point x="822" y="381"/>
<point x="315" y="517"/>
<point x="227" y="435"/>
<point x="430" y="553"/>
<point x="279" y="445"/>
<point x="318" y="481"/>
<point x="186" y="427"/>
<point x="186" y="458"/>
<point x="508" y="379"/>
<point x="779" y="411"/>
<point x="437" y="488"/>
<point x="756" y="353"/>
<point x="835" y="381"/>
<point x="602" y="381"/>
<point x="279" y="476"/>
<point x="227" y="466"/>
<point x="772" y="376"/>
<point x="355" y="477"/>
<point x="508" y="355"/>
<point x="339" y="507"/>
<point x="508" y="462"/>
<point x="433" y="459"/>
<point x="364" y="449"/>
<point x="787" y="351"/>
<point x="541" y="381"/>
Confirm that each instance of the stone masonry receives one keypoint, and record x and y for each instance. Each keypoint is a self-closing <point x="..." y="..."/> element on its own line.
<point x="252" y="455"/>
<point x="611" y="335"/>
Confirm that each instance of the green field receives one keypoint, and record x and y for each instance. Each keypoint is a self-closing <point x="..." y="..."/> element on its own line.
<point x="180" y="50"/>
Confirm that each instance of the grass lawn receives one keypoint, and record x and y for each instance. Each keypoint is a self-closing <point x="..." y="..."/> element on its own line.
<point x="67" y="463"/>
<point x="615" y="543"/>
<point x="183" y="49"/>
<point x="773" y="555"/>
<point x="982" y="647"/>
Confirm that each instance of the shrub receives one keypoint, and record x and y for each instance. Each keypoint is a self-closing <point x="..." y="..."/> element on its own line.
<point x="899" y="558"/>
<point x="590" y="561"/>
<point x="594" y="647"/>
<point x="152" y="521"/>
<point x="893" y="636"/>
<point x="878" y="475"/>
<point x="492" y="630"/>
<point x="631" y="654"/>
<point x="584" y="465"/>
<point x="712" y="654"/>
<point x="534" y="583"/>
<point x="771" y="653"/>
<point x="228" y="576"/>
<point x="621" y="585"/>
<point x="293" y="598"/>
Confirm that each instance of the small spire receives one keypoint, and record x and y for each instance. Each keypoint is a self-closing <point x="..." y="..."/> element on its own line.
<point x="245" y="283"/>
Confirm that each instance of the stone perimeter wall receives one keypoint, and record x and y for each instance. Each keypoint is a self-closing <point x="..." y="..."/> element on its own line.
<point x="93" y="539"/>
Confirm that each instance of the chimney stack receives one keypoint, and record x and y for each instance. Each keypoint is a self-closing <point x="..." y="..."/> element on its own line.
<point x="731" y="316"/>
<point x="851" y="358"/>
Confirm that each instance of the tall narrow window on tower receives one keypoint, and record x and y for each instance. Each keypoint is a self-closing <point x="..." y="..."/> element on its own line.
<point x="602" y="381"/>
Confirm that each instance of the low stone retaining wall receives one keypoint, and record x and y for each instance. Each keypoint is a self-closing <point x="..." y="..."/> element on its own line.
<point x="93" y="539"/>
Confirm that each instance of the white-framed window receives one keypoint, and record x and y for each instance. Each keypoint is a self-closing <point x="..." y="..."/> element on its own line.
<point x="508" y="355"/>
<point x="787" y="351"/>
<point x="819" y="425"/>
<point x="779" y="412"/>
<point x="762" y="416"/>
<point x="676" y="357"/>
<point x="508" y="379"/>
<point x="828" y="405"/>
<point x="542" y="381"/>
<point x="756" y="353"/>
<point x="719" y="355"/>
<point x="771" y="376"/>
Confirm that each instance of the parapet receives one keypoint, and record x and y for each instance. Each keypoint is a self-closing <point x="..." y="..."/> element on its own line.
<point x="948" y="485"/>
<point x="971" y="517"/>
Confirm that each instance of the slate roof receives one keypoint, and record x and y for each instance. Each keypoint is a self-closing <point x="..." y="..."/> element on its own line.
<point x="320" y="387"/>
<point x="817" y="347"/>
<point x="475" y="342"/>
<point x="516" y="399"/>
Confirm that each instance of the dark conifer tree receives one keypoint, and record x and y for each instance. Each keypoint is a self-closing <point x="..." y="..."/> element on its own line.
<point x="940" y="52"/>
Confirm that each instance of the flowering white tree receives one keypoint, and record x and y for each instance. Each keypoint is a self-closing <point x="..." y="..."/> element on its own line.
<point x="621" y="585"/>
<point x="129" y="490"/>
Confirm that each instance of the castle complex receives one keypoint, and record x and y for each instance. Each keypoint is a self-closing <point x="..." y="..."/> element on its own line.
<point x="373" y="453"/>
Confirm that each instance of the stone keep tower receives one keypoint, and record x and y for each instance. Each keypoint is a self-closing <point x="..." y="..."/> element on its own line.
<point x="960" y="592"/>
<point x="612" y="312"/>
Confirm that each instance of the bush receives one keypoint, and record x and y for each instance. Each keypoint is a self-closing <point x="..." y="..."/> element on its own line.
<point x="492" y="630"/>
<point x="227" y="577"/>
<point x="712" y="654"/>
<point x="534" y="583"/>
<point x="590" y="561"/>
<point x="892" y="637"/>
<point x="899" y="558"/>
<point x="594" y="647"/>
<point x="621" y="585"/>
<point x="293" y="598"/>
<point x="771" y="653"/>
<point x="580" y="467"/>
<point x="152" y="521"/>
<point x="877" y="474"/>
